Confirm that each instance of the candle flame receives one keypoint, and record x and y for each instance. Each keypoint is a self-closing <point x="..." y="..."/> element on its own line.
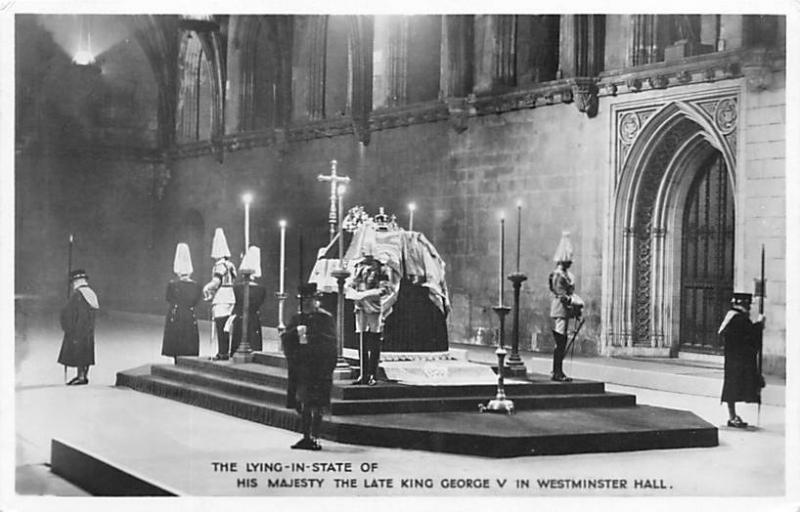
<point x="282" y="223"/>
<point x="341" y="190"/>
<point x="519" y="203"/>
<point x="412" y="206"/>
<point x="247" y="198"/>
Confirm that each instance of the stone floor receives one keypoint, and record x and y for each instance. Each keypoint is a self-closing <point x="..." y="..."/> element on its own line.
<point x="166" y="433"/>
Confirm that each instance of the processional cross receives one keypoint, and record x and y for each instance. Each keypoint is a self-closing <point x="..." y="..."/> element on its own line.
<point x="335" y="180"/>
<point x="342" y="370"/>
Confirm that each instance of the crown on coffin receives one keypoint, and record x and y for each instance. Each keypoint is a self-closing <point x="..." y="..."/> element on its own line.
<point x="381" y="217"/>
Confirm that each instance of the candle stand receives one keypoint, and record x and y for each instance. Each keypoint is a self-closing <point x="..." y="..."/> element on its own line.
<point x="244" y="354"/>
<point x="516" y="368"/>
<point x="281" y="299"/>
<point x="500" y="404"/>
<point x="342" y="370"/>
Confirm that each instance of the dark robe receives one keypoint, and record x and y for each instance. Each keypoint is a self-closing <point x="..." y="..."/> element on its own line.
<point x="742" y="342"/>
<point x="181" y="337"/>
<point x="257" y="296"/>
<point x="311" y="365"/>
<point x="77" y="321"/>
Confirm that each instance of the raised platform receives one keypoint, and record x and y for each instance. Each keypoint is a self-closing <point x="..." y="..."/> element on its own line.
<point x="551" y="418"/>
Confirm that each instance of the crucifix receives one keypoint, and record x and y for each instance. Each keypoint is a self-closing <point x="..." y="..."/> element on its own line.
<point x="335" y="180"/>
<point x="342" y="370"/>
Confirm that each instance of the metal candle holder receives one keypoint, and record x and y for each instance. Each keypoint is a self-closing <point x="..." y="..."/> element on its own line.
<point x="516" y="367"/>
<point x="500" y="403"/>
<point x="342" y="370"/>
<point x="244" y="354"/>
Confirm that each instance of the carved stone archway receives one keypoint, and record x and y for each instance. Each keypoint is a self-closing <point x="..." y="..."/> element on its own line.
<point x="659" y="148"/>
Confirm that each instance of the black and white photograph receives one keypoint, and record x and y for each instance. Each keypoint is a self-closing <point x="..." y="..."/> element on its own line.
<point x="377" y="253"/>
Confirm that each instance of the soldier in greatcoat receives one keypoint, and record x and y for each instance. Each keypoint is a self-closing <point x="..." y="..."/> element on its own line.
<point x="742" y="382"/>
<point x="77" y="321"/>
<point x="181" y="336"/>
<point x="564" y="305"/>
<point x="220" y="290"/>
<point x="309" y="343"/>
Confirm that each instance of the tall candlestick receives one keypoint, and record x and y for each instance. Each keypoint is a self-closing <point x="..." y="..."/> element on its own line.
<point x="501" y="278"/>
<point x="282" y="224"/>
<point x="519" y="230"/>
<point x="411" y="208"/>
<point x="247" y="198"/>
<point x="340" y="192"/>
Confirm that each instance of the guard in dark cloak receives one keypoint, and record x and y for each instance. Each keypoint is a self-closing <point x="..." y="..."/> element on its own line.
<point x="181" y="337"/>
<point x="77" y="321"/>
<point x="742" y="337"/>
<point x="309" y="343"/>
<point x="255" y="300"/>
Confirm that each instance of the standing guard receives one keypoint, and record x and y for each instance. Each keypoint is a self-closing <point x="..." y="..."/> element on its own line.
<point x="220" y="291"/>
<point x="742" y="382"/>
<point x="77" y="321"/>
<point x="309" y="343"/>
<point x="372" y="290"/>
<point x="564" y="305"/>
<point x="181" y="336"/>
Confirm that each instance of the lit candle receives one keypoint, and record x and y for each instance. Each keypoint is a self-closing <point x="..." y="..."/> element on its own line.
<point x="411" y="208"/>
<point x="502" y="256"/>
<point x="247" y="198"/>
<point x="282" y="224"/>
<point x="340" y="192"/>
<point x="519" y="230"/>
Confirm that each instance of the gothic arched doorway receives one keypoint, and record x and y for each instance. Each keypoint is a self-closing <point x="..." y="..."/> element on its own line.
<point x="707" y="257"/>
<point x="669" y="260"/>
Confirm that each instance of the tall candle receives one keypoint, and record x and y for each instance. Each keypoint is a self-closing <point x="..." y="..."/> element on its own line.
<point x="283" y="255"/>
<point x="340" y="192"/>
<point x="411" y="208"/>
<point x="247" y="198"/>
<point x="519" y="230"/>
<point x="502" y="257"/>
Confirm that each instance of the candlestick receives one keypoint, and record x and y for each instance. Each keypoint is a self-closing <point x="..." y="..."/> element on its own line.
<point x="340" y="192"/>
<point x="411" y="208"/>
<point x="501" y="277"/>
<point x="519" y="230"/>
<point x="282" y="224"/>
<point x="247" y="198"/>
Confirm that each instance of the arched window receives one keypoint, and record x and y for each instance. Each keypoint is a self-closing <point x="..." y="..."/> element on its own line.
<point x="406" y="60"/>
<point x="195" y="98"/>
<point x="338" y="77"/>
<point x="537" y="44"/>
<point x="264" y="62"/>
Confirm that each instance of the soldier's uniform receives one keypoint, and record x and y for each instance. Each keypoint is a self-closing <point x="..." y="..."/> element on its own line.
<point x="77" y="321"/>
<point x="742" y="381"/>
<point x="220" y="290"/>
<point x="372" y="291"/>
<point x="564" y="304"/>
<point x="309" y="343"/>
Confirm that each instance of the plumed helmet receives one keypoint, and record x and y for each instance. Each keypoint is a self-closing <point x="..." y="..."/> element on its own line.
<point x="219" y="246"/>
<point x="182" y="265"/>
<point x="564" y="249"/>
<point x="252" y="261"/>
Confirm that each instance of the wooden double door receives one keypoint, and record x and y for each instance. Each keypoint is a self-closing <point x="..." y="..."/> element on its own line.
<point x="707" y="258"/>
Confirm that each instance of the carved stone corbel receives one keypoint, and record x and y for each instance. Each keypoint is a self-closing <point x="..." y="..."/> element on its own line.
<point x="585" y="94"/>
<point x="459" y="111"/>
